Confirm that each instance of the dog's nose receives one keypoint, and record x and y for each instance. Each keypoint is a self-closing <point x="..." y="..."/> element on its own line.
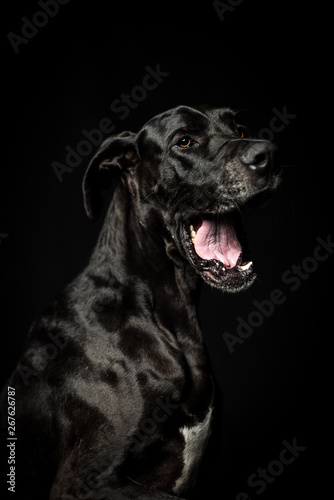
<point x="259" y="157"/>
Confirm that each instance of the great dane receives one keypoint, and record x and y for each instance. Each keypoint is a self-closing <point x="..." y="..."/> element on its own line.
<point x="113" y="393"/>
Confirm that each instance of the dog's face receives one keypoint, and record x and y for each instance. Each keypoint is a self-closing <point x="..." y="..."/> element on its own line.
<point x="197" y="167"/>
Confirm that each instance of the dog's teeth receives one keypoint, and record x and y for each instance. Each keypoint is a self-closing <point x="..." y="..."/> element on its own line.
<point x="244" y="267"/>
<point x="192" y="233"/>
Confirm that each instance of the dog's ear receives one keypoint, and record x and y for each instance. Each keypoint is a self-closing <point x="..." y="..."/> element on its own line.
<point x="116" y="152"/>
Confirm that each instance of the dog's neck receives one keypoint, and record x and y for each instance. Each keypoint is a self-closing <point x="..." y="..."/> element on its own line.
<point x="136" y="250"/>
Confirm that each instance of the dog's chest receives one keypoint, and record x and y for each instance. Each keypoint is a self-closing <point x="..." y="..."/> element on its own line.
<point x="195" y="441"/>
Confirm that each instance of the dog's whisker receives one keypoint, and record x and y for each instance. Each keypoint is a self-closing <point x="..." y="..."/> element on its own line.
<point x="290" y="165"/>
<point x="138" y="199"/>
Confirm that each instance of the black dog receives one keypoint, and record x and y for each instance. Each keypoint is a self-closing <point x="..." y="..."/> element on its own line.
<point x="113" y="394"/>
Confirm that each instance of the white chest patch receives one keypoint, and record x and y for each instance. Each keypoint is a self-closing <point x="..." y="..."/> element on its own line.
<point x="196" y="439"/>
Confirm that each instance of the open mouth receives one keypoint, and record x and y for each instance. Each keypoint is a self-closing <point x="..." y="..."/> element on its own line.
<point x="217" y="248"/>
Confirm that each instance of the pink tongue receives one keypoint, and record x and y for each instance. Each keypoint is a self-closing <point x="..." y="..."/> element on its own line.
<point x="216" y="239"/>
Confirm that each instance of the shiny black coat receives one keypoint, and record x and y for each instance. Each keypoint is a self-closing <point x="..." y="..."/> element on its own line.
<point x="114" y="395"/>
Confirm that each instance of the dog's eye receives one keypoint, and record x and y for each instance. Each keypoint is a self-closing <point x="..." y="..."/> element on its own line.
<point x="185" y="142"/>
<point x="242" y="132"/>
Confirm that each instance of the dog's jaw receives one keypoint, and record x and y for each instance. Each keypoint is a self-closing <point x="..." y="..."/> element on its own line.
<point x="230" y="272"/>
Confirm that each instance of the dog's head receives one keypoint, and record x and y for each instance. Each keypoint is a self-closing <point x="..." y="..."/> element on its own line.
<point x="196" y="167"/>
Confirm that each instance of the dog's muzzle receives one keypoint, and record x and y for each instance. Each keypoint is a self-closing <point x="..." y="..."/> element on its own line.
<point x="214" y="240"/>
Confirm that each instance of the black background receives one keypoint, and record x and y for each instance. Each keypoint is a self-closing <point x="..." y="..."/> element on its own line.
<point x="263" y="55"/>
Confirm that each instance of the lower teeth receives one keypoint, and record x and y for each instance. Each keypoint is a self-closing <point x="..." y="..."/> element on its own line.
<point x="245" y="266"/>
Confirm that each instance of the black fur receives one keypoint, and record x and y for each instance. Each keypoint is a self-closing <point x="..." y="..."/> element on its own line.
<point x="115" y="367"/>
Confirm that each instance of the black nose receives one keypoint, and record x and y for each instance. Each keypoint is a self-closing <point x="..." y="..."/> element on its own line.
<point x="259" y="157"/>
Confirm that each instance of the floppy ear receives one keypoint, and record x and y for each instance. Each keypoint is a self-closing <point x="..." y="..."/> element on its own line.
<point x="116" y="152"/>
